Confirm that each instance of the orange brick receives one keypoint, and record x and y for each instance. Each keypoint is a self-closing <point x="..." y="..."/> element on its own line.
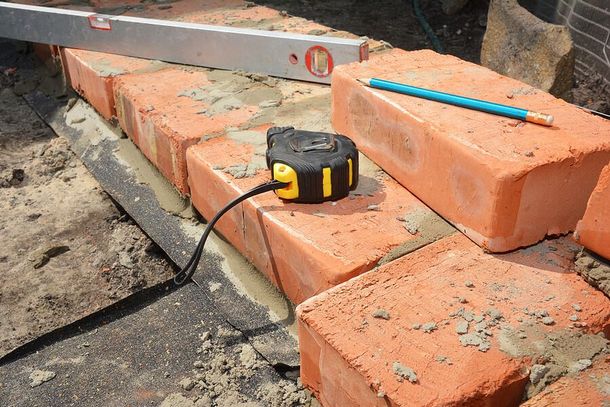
<point x="590" y="387"/>
<point x="348" y="355"/>
<point x="593" y="231"/>
<point x="92" y="75"/>
<point x="504" y="183"/>
<point x="165" y="112"/>
<point x="305" y="249"/>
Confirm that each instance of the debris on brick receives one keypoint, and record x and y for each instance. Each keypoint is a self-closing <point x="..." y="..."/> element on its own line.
<point x="404" y="372"/>
<point x="381" y="313"/>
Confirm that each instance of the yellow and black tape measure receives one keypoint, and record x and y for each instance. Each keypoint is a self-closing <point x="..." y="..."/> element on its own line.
<point x="316" y="166"/>
<point x="306" y="167"/>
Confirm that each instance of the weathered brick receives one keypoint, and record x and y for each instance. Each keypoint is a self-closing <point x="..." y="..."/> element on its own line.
<point x="348" y="354"/>
<point x="504" y="183"/>
<point x="593" y="231"/>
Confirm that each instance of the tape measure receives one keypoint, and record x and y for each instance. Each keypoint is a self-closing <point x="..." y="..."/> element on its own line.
<point x="316" y="166"/>
<point x="306" y="167"/>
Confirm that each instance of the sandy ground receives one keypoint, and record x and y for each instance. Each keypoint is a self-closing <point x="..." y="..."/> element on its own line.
<point x="65" y="249"/>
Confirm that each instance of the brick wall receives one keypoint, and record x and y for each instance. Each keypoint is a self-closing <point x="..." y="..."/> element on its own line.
<point x="589" y="23"/>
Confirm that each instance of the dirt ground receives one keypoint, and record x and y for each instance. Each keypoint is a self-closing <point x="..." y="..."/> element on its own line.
<point x="66" y="250"/>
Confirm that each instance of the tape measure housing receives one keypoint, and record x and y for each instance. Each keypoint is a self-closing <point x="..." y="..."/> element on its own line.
<point x="318" y="166"/>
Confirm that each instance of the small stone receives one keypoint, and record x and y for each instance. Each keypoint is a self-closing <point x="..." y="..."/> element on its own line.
<point x="373" y="207"/>
<point x="461" y="327"/>
<point x="574" y="317"/>
<point x="404" y="372"/>
<point x="537" y="372"/>
<point x="548" y="321"/>
<point x="429" y="327"/>
<point x="381" y="313"/>
<point x="577" y="307"/>
<point x="462" y="300"/>
<point x="542" y="313"/>
<point x="125" y="260"/>
<point x="198" y="364"/>
<point x="469" y="284"/>
<point x="416" y="326"/>
<point x="522" y="335"/>
<point x="39" y="377"/>
<point x="187" y="384"/>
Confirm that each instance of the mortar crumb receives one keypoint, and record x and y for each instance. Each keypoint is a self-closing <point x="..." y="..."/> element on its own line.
<point x="381" y="313"/>
<point x="404" y="372"/>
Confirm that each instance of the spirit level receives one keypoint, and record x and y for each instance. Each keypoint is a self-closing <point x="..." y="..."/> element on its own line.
<point x="294" y="56"/>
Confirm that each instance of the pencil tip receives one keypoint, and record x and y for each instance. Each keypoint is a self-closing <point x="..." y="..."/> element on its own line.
<point x="364" y="81"/>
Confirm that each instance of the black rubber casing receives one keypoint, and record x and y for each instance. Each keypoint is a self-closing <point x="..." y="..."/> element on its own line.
<point x="284" y="146"/>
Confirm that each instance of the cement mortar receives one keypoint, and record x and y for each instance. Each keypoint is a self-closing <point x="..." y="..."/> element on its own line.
<point x="428" y="227"/>
<point x="232" y="90"/>
<point x="246" y="279"/>
<point x="556" y="353"/>
<point x="595" y="270"/>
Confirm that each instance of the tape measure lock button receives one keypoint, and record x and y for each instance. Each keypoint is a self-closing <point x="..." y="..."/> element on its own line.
<point x="318" y="166"/>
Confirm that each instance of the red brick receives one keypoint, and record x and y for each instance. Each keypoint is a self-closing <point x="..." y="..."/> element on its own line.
<point x="160" y="116"/>
<point x="92" y="75"/>
<point x="347" y="354"/>
<point x="590" y="387"/>
<point x="304" y="249"/>
<point x="504" y="183"/>
<point x="593" y="231"/>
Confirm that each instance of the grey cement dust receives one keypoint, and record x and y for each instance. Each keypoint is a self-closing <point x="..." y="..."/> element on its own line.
<point x="104" y="67"/>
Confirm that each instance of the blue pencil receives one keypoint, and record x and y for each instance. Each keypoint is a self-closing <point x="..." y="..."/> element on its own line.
<point x="462" y="101"/>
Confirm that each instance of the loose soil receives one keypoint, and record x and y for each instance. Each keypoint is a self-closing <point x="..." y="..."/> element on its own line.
<point x="66" y="250"/>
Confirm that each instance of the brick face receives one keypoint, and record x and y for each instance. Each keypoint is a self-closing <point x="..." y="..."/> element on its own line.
<point x="589" y="23"/>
